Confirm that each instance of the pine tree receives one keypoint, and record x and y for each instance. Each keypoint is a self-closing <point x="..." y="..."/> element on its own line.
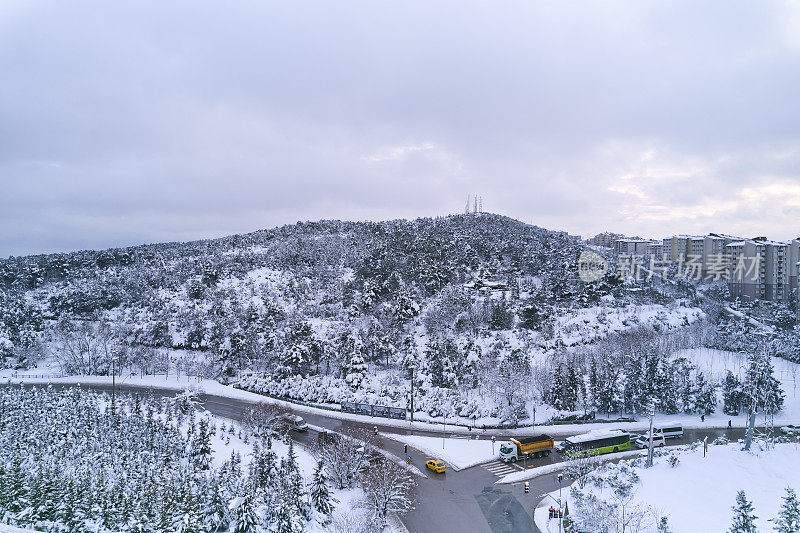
<point x="788" y="520"/>
<point x="705" y="395"/>
<point x="356" y="368"/>
<point x="293" y="491"/>
<point x="245" y="519"/>
<point x="572" y="388"/>
<point x="732" y="396"/>
<point x="634" y="396"/>
<point x="761" y="385"/>
<point x="320" y="495"/>
<point x="744" y="521"/>
<point x="557" y="394"/>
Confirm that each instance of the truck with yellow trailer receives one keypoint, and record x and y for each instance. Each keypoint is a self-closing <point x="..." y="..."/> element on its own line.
<point x="526" y="448"/>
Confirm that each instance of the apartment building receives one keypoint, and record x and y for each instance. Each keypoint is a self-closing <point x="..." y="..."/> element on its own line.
<point x="655" y="249"/>
<point x="755" y="268"/>
<point x="605" y="239"/>
<point x="676" y="248"/>
<point x="762" y="269"/>
<point x="637" y="246"/>
<point x="794" y="264"/>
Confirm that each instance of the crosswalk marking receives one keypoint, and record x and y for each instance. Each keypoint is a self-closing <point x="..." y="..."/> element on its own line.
<point x="500" y="469"/>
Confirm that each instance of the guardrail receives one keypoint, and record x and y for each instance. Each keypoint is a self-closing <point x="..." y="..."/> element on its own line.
<point x="338" y="409"/>
<point x="35" y="376"/>
<point x="391" y="412"/>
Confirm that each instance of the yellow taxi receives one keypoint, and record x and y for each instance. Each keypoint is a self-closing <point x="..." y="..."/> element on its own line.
<point x="436" y="465"/>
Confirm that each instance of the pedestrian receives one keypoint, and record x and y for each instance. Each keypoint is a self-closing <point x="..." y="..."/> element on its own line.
<point x="729" y="424"/>
<point x="702" y="418"/>
<point x="405" y="449"/>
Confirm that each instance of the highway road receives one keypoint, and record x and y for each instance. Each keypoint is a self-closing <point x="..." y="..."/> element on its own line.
<point x="465" y="501"/>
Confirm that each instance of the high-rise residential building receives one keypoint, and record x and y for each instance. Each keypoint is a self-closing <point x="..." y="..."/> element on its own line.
<point x="793" y="262"/>
<point x="676" y="248"/>
<point x="655" y="249"/>
<point x="762" y="269"/>
<point x="605" y="239"/>
<point x="637" y="246"/>
<point x="755" y="268"/>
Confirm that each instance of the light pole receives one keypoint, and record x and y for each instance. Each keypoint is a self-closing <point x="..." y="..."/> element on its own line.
<point x="560" y="511"/>
<point x="413" y="367"/>
<point x="558" y="502"/>
<point x="113" y="390"/>
<point x="649" y="462"/>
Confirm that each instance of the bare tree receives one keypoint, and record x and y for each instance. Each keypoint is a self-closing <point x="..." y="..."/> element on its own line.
<point x="388" y="488"/>
<point x="352" y="521"/>
<point x="86" y="347"/>
<point x="264" y="419"/>
<point x="579" y="464"/>
<point x="345" y="455"/>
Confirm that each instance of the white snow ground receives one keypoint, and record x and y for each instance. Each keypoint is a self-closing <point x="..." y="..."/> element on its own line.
<point x="712" y="362"/>
<point x="697" y="494"/>
<point x="459" y="453"/>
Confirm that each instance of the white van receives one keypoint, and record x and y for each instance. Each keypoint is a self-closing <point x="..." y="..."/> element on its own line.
<point x="643" y="441"/>
<point x="668" y="431"/>
<point x="295" y="422"/>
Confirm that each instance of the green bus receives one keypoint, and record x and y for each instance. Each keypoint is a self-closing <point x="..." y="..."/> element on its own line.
<point x="598" y="442"/>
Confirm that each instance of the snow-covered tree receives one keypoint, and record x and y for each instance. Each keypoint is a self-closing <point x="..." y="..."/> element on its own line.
<point x="733" y="397"/>
<point x="705" y="400"/>
<point x="320" y="494"/>
<point x="389" y="489"/>
<point x="245" y="514"/>
<point x="788" y="519"/>
<point x="744" y="519"/>
<point x="763" y="389"/>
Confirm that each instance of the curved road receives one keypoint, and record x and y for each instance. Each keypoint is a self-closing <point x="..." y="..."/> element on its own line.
<point x="466" y="501"/>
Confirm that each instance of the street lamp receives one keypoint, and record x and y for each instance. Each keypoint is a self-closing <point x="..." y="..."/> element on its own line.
<point x="558" y="502"/>
<point x="113" y="389"/>
<point x="649" y="462"/>
<point x="413" y="367"/>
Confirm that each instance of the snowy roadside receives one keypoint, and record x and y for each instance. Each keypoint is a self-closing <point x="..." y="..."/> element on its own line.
<point x="555" y="467"/>
<point x="390" y="456"/>
<point x="395" y="525"/>
<point x="694" y="490"/>
<point x="458" y="453"/>
<point x="714" y="421"/>
<point x="541" y="515"/>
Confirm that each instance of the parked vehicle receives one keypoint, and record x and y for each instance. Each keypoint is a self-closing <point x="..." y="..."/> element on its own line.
<point x="643" y="441"/>
<point x="526" y="447"/>
<point x="295" y="422"/>
<point x="669" y="431"/>
<point x="437" y="465"/>
<point x="599" y="442"/>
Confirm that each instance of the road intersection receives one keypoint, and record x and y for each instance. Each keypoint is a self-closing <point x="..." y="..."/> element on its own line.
<point x="469" y="500"/>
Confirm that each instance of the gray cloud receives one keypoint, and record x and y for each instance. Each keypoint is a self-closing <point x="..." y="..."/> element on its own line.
<point x="132" y="122"/>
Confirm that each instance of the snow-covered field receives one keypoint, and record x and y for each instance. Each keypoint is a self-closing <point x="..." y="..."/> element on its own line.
<point x="581" y="326"/>
<point x="695" y="495"/>
<point x="532" y="473"/>
<point x="715" y="363"/>
<point x="458" y="453"/>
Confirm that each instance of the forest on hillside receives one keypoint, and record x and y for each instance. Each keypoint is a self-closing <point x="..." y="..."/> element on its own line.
<point x="486" y="312"/>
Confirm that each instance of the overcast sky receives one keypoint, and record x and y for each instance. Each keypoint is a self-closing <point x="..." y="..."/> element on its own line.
<point x="133" y="122"/>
